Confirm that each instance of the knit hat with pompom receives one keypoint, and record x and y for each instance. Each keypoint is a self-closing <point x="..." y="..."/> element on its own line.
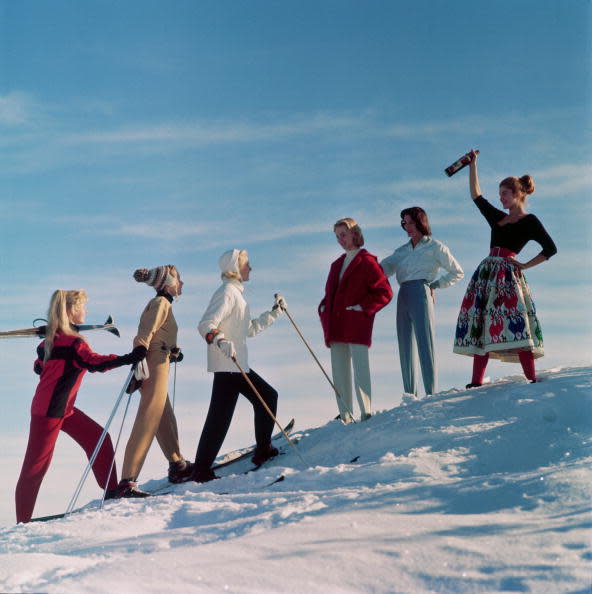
<point x="158" y="277"/>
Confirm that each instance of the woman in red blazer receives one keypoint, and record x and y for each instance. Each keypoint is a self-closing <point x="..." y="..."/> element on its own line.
<point x="356" y="290"/>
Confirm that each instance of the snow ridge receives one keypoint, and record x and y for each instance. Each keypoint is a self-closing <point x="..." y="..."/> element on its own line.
<point x="486" y="490"/>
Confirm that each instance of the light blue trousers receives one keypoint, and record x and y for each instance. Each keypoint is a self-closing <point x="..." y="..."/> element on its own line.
<point x="415" y="334"/>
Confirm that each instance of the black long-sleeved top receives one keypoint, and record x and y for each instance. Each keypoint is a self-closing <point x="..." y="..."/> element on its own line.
<point x="514" y="236"/>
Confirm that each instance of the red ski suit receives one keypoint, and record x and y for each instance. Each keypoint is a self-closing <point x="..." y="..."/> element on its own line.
<point x="363" y="283"/>
<point x="53" y="410"/>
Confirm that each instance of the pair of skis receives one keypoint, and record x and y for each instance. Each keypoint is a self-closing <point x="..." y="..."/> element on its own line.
<point x="244" y="453"/>
<point x="223" y="461"/>
<point x="232" y="458"/>
<point x="39" y="331"/>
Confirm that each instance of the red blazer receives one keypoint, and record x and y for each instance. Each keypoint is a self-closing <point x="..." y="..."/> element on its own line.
<point x="363" y="283"/>
<point x="61" y="375"/>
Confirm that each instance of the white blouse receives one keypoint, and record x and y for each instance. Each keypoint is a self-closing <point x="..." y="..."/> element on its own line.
<point x="423" y="262"/>
<point x="349" y="256"/>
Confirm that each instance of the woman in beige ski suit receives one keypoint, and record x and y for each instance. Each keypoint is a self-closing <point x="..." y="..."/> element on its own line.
<point x="157" y="332"/>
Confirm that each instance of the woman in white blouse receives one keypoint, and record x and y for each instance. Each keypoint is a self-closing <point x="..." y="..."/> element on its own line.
<point x="416" y="265"/>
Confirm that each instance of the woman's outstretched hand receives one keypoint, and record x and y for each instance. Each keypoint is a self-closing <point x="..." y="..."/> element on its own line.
<point x="279" y="303"/>
<point x="138" y="354"/>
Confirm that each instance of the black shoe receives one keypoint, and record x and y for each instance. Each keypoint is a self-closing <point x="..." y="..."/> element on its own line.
<point x="180" y="471"/>
<point x="110" y="494"/>
<point x="469" y="386"/>
<point x="203" y="475"/>
<point x="263" y="453"/>
<point x="129" y="490"/>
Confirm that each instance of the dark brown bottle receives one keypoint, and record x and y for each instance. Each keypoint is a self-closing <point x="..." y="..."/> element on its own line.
<point x="458" y="165"/>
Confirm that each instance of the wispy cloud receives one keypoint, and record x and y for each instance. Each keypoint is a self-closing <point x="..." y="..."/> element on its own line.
<point x="367" y="123"/>
<point x="15" y="109"/>
<point x="563" y="179"/>
<point x="78" y="133"/>
<point x="167" y="230"/>
<point x="197" y="133"/>
<point x="556" y="181"/>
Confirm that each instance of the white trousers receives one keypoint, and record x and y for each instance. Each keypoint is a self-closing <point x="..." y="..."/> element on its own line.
<point x="343" y="357"/>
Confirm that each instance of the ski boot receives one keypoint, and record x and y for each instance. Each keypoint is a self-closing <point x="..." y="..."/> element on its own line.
<point x="264" y="453"/>
<point x="203" y="475"/>
<point x="128" y="489"/>
<point x="180" y="471"/>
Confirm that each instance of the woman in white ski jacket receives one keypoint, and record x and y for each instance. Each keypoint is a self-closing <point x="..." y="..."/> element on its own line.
<point x="225" y="325"/>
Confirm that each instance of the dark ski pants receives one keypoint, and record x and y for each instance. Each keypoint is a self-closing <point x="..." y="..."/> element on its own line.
<point x="227" y="386"/>
<point x="43" y="435"/>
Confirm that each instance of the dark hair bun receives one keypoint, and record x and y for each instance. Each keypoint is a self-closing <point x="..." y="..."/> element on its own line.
<point x="141" y="275"/>
<point x="527" y="184"/>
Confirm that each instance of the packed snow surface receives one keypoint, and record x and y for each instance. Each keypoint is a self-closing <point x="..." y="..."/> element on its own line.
<point x="486" y="490"/>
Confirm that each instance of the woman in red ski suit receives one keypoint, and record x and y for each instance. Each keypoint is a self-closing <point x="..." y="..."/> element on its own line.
<point x="62" y="360"/>
<point x="355" y="291"/>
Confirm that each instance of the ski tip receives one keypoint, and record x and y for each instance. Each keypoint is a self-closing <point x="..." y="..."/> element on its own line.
<point x="40" y="329"/>
<point x="48" y="518"/>
<point x="109" y="320"/>
<point x="114" y="330"/>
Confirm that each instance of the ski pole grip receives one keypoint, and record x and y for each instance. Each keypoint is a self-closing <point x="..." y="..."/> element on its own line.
<point x="275" y="296"/>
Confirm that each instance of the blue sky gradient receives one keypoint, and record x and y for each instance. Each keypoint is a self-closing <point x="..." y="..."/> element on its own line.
<point x="142" y="133"/>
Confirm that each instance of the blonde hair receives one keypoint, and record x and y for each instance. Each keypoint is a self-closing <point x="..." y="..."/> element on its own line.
<point x="61" y="305"/>
<point x="243" y="257"/>
<point x="351" y="224"/>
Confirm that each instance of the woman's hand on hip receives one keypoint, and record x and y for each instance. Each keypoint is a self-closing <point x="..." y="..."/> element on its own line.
<point x="354" y="308"/>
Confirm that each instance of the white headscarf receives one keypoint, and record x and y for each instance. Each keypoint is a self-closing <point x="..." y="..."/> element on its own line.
<point x="228" y="263"/>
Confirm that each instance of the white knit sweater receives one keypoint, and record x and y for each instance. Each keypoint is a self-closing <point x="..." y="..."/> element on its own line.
<point x="229" y="312"/>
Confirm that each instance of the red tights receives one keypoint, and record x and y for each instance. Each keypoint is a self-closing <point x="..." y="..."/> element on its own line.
<point x="480" y="363"/>
<point x="43" y="434"/>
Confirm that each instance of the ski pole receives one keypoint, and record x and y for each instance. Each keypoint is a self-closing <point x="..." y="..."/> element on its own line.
<point x="129" y="397"/>
<point x="92" y="459"/>
<point x="319" y="364"/>
<point x="268" y="410"/>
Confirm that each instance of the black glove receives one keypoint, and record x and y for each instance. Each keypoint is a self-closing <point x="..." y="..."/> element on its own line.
<point x="176" y="355"/>
<point x="134" y="357"/>
<point x="139" y="353"/>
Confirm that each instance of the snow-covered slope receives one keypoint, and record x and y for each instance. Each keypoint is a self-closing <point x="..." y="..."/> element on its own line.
<point x="486" y="490"/>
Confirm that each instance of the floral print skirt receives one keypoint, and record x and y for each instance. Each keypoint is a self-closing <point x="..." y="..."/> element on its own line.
<point x="498" y="315"/>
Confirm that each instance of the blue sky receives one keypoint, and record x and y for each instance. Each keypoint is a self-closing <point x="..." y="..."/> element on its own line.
<point x="142" y="133"/>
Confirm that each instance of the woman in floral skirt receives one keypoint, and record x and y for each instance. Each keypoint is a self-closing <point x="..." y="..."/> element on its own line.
<point x="498" y="316"/>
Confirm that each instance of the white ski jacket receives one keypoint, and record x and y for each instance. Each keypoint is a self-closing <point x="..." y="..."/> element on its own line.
<point x="229" y="312"/>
